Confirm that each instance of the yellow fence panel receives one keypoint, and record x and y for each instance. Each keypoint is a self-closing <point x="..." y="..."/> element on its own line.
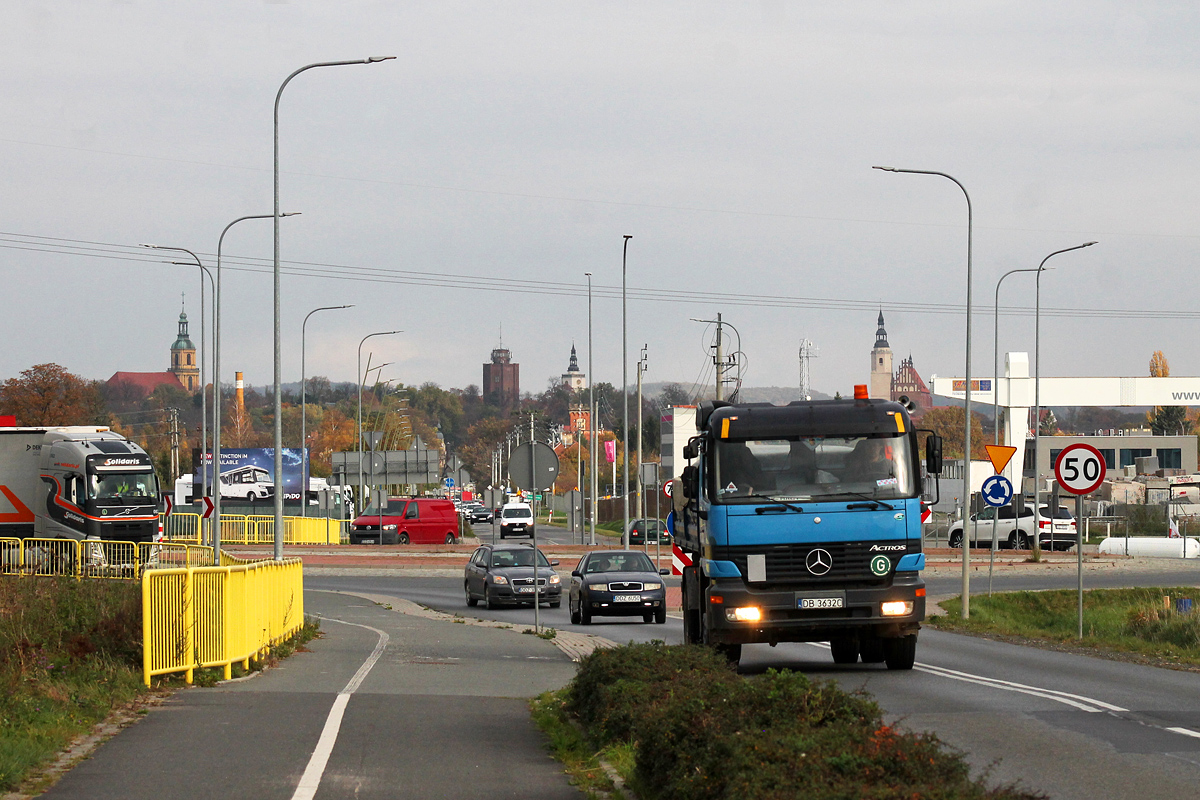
<point x="10" y="556"/>
<point x="118" y="560"/>
<point x="182" y="526"/>
<point x="50" y="557"/>
<point x="214" y="616"/>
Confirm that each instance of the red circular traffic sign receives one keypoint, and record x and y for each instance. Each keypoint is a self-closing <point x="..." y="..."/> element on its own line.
<point x="668" y="486"/>
<point x="1079" y="469"/>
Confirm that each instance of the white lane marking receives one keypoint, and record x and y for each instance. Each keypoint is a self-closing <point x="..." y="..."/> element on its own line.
<point x="1185" y="732"/>
<point x="311" y="779"/>
<point x="1081" y="702"/>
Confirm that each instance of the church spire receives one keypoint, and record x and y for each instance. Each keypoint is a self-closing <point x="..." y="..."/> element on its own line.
<point x="574" y="367"/>
<point x="881" y="334"/>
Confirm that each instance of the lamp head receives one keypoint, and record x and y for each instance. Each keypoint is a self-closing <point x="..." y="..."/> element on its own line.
<point x="376" y="59"/>
<point x="151" y="246"/>
<point x="885" y="169"/>
<point x="290" y="214"/>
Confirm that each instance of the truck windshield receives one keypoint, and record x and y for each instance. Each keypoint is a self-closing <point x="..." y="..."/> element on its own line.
<point x="112" y="485"/>
<point x="812" y="469"/>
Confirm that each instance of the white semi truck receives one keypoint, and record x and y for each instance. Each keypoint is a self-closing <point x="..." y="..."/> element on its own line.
<point x="80" y="482"/>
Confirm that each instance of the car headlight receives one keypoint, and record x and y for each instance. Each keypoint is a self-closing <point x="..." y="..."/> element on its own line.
<point x="650" y="586"/>
<point x="555" y="580"/>
<point x="389" y="527"/>
<point x="499" y="579"/>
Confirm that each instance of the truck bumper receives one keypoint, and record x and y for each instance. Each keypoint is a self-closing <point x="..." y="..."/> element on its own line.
<point x="782" y="619"/>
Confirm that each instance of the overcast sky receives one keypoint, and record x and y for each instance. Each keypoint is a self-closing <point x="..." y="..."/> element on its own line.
<point x="469" y="184"/>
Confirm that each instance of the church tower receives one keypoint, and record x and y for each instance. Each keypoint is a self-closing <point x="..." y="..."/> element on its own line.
<point x="183" y="357"/>
<point x="881" y="365"/>
<point x="573" y="378"/>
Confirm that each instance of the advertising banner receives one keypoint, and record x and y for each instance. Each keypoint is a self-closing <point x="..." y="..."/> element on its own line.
<point x="610" y="450"/>
<point x="249" y="473"/>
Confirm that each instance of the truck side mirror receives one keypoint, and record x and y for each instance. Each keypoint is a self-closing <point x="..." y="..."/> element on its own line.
<point x="933" y="454"/>
<point x="690" y="478"/>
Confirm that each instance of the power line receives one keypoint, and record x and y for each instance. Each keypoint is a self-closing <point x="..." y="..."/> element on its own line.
<point x="494" y="283"/>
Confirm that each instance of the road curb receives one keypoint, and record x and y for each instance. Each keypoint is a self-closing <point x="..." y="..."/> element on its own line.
<point x="574" y="645"/>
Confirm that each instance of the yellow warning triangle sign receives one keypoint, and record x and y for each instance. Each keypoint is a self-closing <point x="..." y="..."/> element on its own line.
<point x="1000" y="454"/>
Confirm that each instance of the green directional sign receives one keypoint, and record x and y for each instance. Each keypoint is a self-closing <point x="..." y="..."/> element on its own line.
<point x="881" y="565"/>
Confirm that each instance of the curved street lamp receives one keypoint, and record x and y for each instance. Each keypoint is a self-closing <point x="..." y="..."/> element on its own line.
<point x="304" y="408"/>
<point x="278" y="359"/>
<point x="361" y="482"/>
<point x="966" y="498"/>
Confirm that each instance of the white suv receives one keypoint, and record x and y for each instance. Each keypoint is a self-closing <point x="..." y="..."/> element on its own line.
<point x="1014" y="534"/>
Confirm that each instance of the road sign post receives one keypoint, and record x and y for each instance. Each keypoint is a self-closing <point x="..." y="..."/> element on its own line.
<point x="1080" y="471"/>
<point x="997" y="491"/>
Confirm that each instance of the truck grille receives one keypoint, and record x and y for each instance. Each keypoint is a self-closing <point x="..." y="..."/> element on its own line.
<point x="786" y="563"/>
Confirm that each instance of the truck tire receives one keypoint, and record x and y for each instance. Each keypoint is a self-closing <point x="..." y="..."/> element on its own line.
<point x="844" y="649"/>
<point x="872" y="650"/>
<point x="900" y="653"/>
<point x="691" y="615"/>
<point x="732" y="652"/>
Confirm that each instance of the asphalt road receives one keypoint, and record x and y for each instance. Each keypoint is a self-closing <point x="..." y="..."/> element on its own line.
<point x="441" y="713"/>
<point x="1069" y="725"/>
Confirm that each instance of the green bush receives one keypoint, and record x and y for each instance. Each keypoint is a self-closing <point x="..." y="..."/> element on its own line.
<point x="701" y="732"/>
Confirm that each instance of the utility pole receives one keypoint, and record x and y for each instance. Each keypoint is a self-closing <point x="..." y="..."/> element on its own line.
<point x="175" y="445"/>
<point x="808" y="351"/>
<point x="719" y="360"/>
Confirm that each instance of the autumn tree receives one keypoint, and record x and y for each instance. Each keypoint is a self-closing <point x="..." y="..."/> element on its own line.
<point x="947" y="422"/>
<point x="46" y="394"/>
<point x="1165" y="419"/>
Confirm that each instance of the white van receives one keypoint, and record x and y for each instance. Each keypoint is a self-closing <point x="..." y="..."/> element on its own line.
<point x="516" y="519"/>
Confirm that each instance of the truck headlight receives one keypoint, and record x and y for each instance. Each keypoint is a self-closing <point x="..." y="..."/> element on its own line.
<point x="499" y="579"/>
<point x="744" y="614"/>
<point x="896" y="608"/>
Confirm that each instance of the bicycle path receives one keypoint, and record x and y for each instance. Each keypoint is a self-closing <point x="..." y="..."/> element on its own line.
<point x="441" y="711"/>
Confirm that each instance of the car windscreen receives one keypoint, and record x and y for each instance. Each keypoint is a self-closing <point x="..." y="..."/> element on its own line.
<point x="517" y="558"/>
<point x="517" y="513"/>
<point x="812" y="469"/>
<point x="619" y="562"/>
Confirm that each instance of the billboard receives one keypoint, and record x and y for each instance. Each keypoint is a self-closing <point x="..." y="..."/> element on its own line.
<point x="977" y="385"/>
<point x="242" y="470"/>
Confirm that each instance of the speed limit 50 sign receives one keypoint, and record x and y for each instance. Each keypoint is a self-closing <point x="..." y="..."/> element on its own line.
<point x="1079" y="469"/>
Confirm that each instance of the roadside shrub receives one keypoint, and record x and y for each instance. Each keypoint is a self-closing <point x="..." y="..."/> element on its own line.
<point x="701" y="732"/>
<point x="613" y="687"/>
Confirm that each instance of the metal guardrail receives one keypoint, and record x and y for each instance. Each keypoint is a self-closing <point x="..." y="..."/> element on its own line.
<point x="92" y="558"/>
<point x="255" y="529"/>
<point x="201" y="617"/>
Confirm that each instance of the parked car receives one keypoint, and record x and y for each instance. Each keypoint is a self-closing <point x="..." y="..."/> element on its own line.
<point x="1014" y="534"/>
<point x="648" y="531"/>
<point x="419" y="520"/>
<point x="618" y="583"/>
<point x="503" y="574"/>
<point x="516" y="519"/>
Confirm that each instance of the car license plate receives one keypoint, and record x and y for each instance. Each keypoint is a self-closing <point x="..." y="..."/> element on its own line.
<point x="627" y="598"/>
<point x="370" y="541"/>
<point x="525" y="589"/>
<point x="821" y="602"/>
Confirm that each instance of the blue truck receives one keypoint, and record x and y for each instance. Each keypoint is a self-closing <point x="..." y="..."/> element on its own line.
<point x="803" y="524"/>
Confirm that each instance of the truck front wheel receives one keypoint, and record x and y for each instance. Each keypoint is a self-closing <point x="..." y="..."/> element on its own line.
<point x="900" y="653"/>
<point x="844" y="649"/>
<point x="872" y="649"/>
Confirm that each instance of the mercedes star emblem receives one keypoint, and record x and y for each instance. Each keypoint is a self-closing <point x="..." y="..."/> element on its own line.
<point x="818" y="561"/>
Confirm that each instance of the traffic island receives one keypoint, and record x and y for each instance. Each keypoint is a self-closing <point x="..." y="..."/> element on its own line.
<point x="677" y="722"/>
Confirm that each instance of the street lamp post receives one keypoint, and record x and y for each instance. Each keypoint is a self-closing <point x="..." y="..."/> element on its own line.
<point x="996" y="356"/>
<point x="625" y="400"/>
<point x="203" y="390"/>
<point x="966" y="498"/>
<point x="1037" y="391"/>
<point x="593" y="456"/>
<point x="278" y="359"/>
<point x="304" y="408"/>
<point x="216" y="459"/>
<point x="361" y="482"/>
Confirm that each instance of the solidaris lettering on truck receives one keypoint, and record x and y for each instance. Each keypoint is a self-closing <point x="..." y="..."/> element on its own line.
<point x="803" y="523"/>
<point x="77" y="482"/>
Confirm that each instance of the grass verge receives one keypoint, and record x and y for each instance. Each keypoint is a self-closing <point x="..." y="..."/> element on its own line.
<point x="677" y="723"/>
<point x="1129" y="623"/>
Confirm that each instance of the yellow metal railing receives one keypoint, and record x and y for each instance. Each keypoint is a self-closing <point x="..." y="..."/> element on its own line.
<point x="256" y="529"/>
<point x="93" y="558"/>
<point x="202" y="617"/>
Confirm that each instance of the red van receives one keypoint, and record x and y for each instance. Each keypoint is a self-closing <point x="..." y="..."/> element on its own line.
<point x="421" y="520"/>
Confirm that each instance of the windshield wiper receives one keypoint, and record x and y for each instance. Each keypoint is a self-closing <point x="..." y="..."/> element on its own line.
<point x="777" y="504"/>
<point x="875" y="503"/>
